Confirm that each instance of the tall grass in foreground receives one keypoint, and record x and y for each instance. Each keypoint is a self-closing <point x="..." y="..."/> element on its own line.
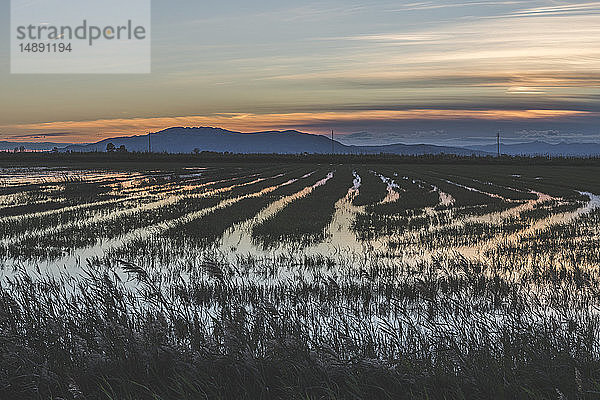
<point x="455" y="330"/>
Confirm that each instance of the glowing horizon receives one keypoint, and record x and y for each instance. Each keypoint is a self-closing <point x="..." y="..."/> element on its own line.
<point x="82" y="131"/>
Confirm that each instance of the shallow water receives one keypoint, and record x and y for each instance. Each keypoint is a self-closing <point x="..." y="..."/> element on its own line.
<point x="341" y="242"/>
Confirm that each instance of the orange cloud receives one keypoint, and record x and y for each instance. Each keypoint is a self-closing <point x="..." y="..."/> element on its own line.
<point x="82" y="131"/>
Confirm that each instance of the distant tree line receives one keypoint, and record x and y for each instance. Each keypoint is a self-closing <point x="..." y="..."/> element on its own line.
<point x="110" y="148"/>
<point x="122" y="155"/>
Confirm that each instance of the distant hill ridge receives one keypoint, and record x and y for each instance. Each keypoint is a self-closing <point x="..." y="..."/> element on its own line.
<point x="542" y="148"/>
<point x="186" y="140"/>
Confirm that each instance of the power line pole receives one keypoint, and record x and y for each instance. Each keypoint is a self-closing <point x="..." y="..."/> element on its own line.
<point x="498" y="142"/>
<point x="332" y="143"/>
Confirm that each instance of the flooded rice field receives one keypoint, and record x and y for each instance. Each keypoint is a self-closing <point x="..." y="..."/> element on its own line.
<point x="429" y="268"/>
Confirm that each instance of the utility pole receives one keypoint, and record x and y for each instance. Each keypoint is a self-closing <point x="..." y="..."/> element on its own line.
<point x="149" y="144"/>
<point x="498" y="141"/>
<point x="332" y="143"/>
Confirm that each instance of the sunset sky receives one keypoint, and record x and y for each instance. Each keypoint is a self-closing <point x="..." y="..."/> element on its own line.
<point x="445" y="72"/>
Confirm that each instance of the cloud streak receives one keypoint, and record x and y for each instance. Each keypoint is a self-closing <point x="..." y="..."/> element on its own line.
<point x="565" y="9"/>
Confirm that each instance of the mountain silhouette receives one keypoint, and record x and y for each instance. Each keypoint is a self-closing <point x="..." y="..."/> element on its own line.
<point x="186" y="140"/>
